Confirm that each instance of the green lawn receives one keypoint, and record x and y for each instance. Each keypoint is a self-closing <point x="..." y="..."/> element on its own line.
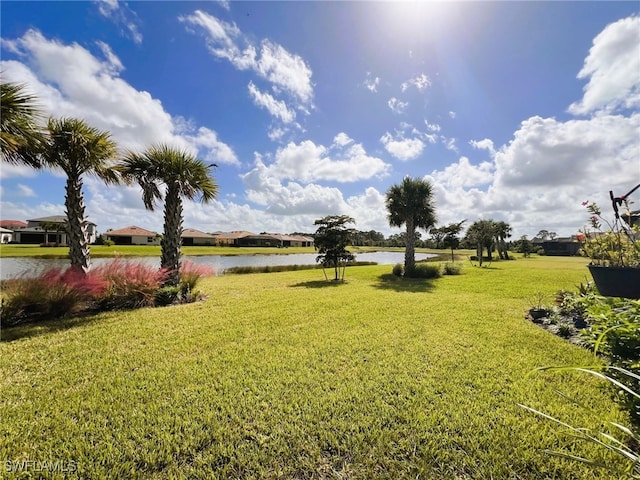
<point x="284" y="375"/>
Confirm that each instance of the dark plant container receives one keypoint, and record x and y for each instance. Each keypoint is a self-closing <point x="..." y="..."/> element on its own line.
<point x="616" y="281"/>
<point x="537" y="313"/>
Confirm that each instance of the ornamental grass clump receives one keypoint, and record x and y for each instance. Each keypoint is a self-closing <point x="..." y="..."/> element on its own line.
<point x="54" y="294"/>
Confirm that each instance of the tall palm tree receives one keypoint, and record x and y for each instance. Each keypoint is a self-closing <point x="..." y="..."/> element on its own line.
<point x="481" y="234"/>
<point x="20" y="132"/>
<point x="183" y="175"/>
<point x="411" y="204"/>
<point x="78" y="149"/>
<point x="502" y="231"/>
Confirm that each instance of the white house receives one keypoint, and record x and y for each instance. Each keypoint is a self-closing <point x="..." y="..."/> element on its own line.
<point x="6" y="235"/>
<point x="51" y="229"/>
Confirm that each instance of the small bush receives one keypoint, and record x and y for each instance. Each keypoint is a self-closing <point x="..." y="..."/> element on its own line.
<point x="54" y="294"/>
<point x="451" y="269"/>
<point x="424" y="271"/>
<point x="540" y="251"/>
<point x="398" y="270"/>
<point x="131" y="284"/>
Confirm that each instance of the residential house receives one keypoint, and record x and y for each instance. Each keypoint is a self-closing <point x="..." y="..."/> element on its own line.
<point x="6" y="235"/>
<point x="133" y="236"/>
<point x="561" y="246"/>
<point x="13" y="224"/>
<point x="192" y="237"/>
<point x="52" y="229"/>
<point x="249" y="239"/>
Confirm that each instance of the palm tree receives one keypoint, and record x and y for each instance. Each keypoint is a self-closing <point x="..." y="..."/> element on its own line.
<point x="411" y="204"/>
<point x="20" y="135"/>
<point x="481" y="235"/>
<point x="502" y="231"/>
<point x="78" y="149"/>
<point x="183" y="175"/>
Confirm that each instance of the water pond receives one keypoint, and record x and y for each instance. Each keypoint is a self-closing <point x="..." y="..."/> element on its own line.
<point x="11" y="267"/>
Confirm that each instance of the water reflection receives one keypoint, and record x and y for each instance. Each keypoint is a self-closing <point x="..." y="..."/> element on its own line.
<point x="10" y="267"/>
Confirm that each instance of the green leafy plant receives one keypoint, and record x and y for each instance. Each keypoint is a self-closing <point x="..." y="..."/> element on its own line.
<point x="423" y="270"/>
<point x="617" y="246"/>
<point x="451" y="268"/>
<point x="398" y="270"/>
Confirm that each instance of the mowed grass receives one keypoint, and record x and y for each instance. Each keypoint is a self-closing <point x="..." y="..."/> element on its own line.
<point x="284" y="375"/>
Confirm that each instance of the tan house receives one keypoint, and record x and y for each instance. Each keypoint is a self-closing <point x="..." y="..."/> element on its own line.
<point x="191" y="236"/>
<point x="133" y="236"/>
<point x="249" y="239"/>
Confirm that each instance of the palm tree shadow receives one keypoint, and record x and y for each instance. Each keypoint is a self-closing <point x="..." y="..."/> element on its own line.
<point x="320" y="283"/>
<point x="35" y="329"/>
<point x="389" y="281"/>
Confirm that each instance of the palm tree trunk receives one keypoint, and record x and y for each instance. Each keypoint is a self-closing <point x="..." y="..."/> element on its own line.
<point x="410" y="250"/>
<point x="172" y="235"/>
<point x="78" y="244"/>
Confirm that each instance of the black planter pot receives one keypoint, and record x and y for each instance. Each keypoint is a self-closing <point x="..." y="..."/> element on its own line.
<point x="616" y="281"/>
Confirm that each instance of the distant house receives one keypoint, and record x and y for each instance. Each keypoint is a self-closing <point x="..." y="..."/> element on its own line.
<point x="561" y="246"/>
<point x="51" y="229"/>
<point x="192" y="237"/>
<point x="249" y="239"/>
<point x="6" y="235"/>
<point x="13" y="224"/>
<point x="133" y="236"/>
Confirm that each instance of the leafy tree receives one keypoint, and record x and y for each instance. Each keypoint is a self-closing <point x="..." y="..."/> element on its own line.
<point x="183" y="175"/>
<point x="553" y="235"/>
<point x="78" y="149"/>
<point x="524" y="246"/>
<point x="481" y="235"/>
<point x="437" y="235"/>
<point x="411" y="204"/>
<point x="331" y="240"/>
<point x="451" y="233"/>
<point x="543" y="234"/>
<point x="21" y="136"/>
<point x="53" y="227"/>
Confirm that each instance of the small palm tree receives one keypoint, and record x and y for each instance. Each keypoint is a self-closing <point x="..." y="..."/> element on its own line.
<point x="78" y="149"/>
<point x="183" y="175"/>
<point x="411" y="204"/>
<point x="20" y="133"/>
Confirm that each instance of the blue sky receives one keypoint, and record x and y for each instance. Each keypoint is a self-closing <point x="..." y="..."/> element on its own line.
<point x="516" y="111"/>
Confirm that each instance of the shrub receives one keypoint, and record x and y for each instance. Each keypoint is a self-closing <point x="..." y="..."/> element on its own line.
<point x="130" y="284"/>
<point x="451" y="268"/>
<point x="615" y="332"/>
<point x="398" y="270"/>
<point x="54" y="294"/>
<point x="190" y="274"/>
<point x="424" y="271"/>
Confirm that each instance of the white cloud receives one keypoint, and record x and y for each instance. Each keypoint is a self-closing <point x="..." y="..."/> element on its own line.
<point x="226" y="4"/>
<point x="122" y="16"/>
<point x="372" y="82"/>
<point x="404" y="148"/>
<point x="308" y="162"/>
<point x="421" y="82"/>
<point x="464" y="174"/>
<point x="276" y="108"/>
<point x="484" y="144"/>
<point x="432" y="127"/>
<point x="613" y="69"/>
<point x="286" y="71"/>
<point x="397" y="106"/>
<point x="26" y="191"/>
<point x="70" y="81"/>
<point x="452" y="114"/>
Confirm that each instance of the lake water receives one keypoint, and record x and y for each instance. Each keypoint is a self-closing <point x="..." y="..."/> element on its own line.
<point x="10" y="267"/>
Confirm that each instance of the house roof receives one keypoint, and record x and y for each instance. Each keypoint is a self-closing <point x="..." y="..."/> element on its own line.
<point x="12" y="224"/>
<point x="52" y="219"/>
<point x="5" y="230"/>
<point x="130" y="232"/>
<point x="234" y="234"/>
<point x="193" y="233"/>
